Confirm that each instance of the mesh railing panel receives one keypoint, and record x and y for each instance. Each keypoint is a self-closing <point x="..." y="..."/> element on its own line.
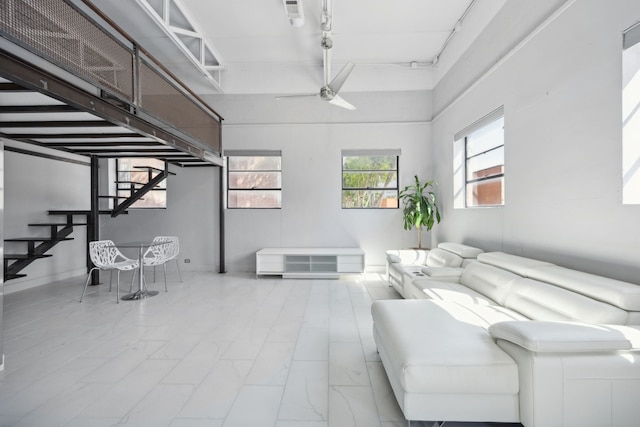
<point x="58" y="32"/>
<point x="162" y="99"/>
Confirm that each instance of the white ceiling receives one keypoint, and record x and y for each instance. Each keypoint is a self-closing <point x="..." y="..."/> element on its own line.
<point x="261" y="52"/>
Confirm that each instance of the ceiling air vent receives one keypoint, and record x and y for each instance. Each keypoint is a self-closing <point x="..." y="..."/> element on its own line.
<point x="294" y="12"/>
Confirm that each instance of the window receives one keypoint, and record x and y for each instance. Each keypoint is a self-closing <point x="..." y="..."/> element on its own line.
<point x="370" y="179"/>
<point x="631" y="115"/>
<point x="132" y="173"/>
<point x="254" y="180"/>
<point x="479" y="162"/>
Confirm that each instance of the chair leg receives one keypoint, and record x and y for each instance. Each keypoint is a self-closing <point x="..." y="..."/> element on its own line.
<point x="87" y="282"/>
<point x="110" y="279"/>
<point x="164" y="266"/>
<point x="178" y="266"/>
<point x="118" y="288"/>
<point x="133" y="277"/>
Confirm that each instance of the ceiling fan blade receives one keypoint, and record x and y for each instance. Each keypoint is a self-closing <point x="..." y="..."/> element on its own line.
<point x="301" y="95"/>
<point x="340" y="102"/>
<point x="339" y="79"/>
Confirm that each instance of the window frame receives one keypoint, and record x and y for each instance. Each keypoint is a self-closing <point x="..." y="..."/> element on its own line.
<point x="252" y="153"/>
<point x="461" y="143"/>
<point x="370" y="153"/>
<point x="630" y="119"/>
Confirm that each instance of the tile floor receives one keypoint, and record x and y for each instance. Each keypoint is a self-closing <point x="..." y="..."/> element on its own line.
<point x="216" y="350"/>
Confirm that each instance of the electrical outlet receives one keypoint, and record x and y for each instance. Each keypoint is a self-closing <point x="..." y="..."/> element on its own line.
<point x="187" y="260"/>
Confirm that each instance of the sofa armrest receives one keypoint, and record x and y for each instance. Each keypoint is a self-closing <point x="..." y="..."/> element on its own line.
<point x="567" y="337"/>
<point x="407" y="256"/>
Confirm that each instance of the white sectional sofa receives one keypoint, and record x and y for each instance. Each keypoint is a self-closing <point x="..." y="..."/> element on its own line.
<point x="444" y="263"/>
<point x="515" y="340"/>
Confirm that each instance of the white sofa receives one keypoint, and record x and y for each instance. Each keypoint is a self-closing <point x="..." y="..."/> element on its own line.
<point x="443" y="263"/>
<point x="515" y="340"/>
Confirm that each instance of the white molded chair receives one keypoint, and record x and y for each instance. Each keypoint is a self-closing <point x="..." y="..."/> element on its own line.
<point x="165" y="249"/>
<point x="107" y="257"/>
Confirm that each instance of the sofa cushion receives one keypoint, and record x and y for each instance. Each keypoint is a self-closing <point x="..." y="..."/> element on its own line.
<point x="462" y="250"/>
<point x="438" y="272"/>
<point x="441" y="347"/>
<point x="488" y="280"/>
<point x="542" y="301"/>
<point x="514" y="263"/>
<point x="447" y="291"/>
<point x="621" y="294"/>
<point x="440" y="258"/>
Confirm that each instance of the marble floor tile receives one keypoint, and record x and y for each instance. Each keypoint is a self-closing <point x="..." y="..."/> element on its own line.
<point x="255" y="406"/>
<point x="305" y="393"/>
<point x="217" y="392"/>
<point x="347" y="365"/>
<point x="272" y="364"/>
<point x="352" y="406"/>
<point x="313" y="344"/>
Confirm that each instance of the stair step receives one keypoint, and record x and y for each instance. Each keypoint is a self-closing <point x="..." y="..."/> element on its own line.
<point x="13" y="276"/>
<point x="130" y="182"/>
<point x="26" y="256"/>
<point x="79" y="212"/>
<point x="49" y="224"/>
<point x="153" y="169"/>
<point x="38" y="239"/>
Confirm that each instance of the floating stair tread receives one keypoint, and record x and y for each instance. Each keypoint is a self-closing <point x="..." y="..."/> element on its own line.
<point x="80" y="212"/>
<point x="49" y="224"/>
<point x="152" y="168"/>
<point x="38" y="239"/>
<point x="153" y="189"/>
<point x="26" y="256"/>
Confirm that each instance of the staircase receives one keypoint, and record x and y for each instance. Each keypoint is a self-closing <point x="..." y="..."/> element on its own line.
<point x="37" y="247"/>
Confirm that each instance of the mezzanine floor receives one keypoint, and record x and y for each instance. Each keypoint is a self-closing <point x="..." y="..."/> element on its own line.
<point x="216" y="350"/>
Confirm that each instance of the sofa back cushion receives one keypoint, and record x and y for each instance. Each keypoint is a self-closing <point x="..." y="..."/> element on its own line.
<point x="542" y="301"/>
<point x="467" y="252"/>
<point x="440" y="258"/>
<point x="517" y="264"/>
<point x="615" y="292"/>
<point x="488" y="280"/>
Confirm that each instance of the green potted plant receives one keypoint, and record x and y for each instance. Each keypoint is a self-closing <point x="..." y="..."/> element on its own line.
<point x="419" y="207"/>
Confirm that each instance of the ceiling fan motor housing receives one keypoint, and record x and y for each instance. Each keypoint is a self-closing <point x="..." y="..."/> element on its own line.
<point x="327" y="93"/>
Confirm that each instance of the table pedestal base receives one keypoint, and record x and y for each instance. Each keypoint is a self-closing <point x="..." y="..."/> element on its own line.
<point x="139" y="295"/>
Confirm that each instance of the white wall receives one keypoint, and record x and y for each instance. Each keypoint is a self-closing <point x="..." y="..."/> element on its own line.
<point x="311" y="145"/>
<point x="33" y="186"/>
<point x="561" y="92"/>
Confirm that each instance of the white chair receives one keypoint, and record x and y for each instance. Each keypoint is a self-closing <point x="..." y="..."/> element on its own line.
<point x="107" y="257"/>
<point x="163" y="250"/>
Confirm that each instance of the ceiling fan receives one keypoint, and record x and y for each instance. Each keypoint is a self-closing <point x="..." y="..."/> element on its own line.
<point x="329" y="91"/>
